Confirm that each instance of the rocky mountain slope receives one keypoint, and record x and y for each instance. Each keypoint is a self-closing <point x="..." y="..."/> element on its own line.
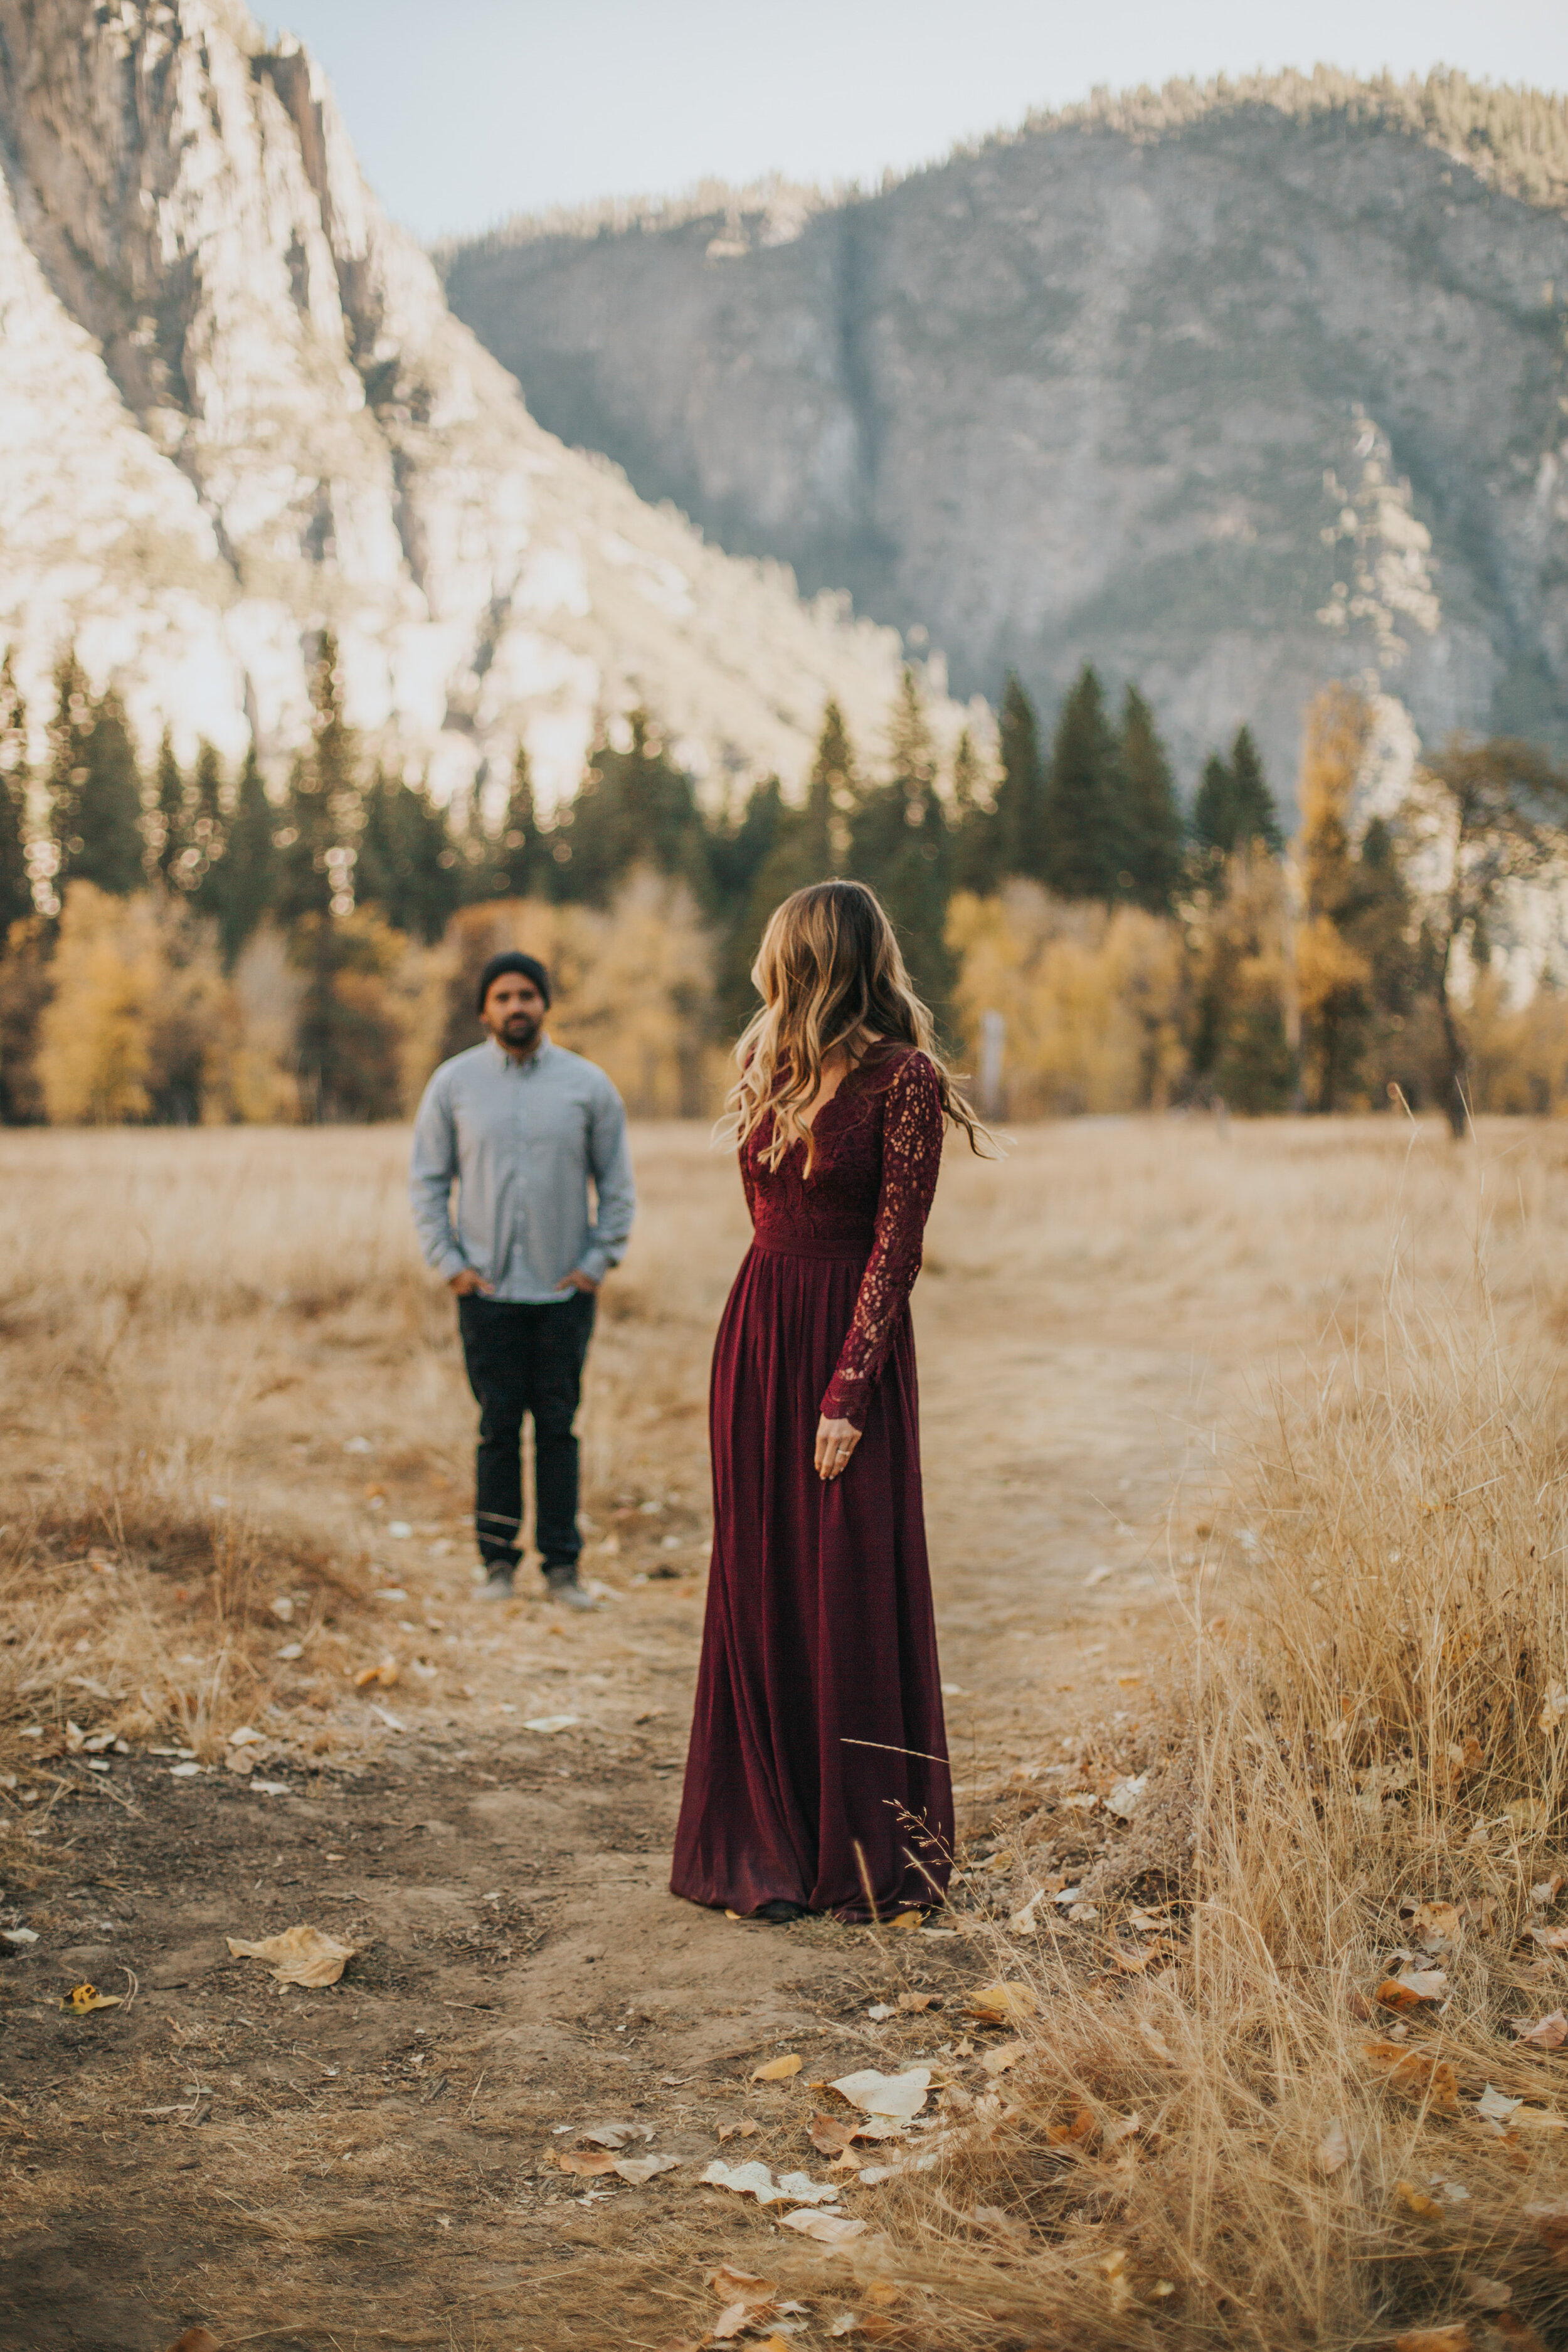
<point x="1232" y="391"/>
<point x="233" y="407"/>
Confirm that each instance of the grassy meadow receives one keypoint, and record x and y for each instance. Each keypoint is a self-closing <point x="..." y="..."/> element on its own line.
<point x="1285" y="2068"/>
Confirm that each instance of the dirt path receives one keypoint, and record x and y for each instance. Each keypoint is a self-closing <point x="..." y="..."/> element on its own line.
<point x="375" y="2163"/>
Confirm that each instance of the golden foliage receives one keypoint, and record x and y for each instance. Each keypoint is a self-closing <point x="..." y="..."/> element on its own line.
<point x="131" y="1028"/>
<point x="1093" y="998"/>
<point x="632" y="988"/>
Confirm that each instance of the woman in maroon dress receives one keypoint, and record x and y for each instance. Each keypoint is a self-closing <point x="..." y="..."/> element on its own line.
<point x="817" y="1776"/>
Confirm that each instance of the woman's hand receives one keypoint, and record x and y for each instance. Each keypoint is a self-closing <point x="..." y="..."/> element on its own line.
<point x="835" y="1442"/>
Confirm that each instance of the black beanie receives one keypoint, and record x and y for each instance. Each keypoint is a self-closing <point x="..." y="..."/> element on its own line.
<point x="512" y="960"/>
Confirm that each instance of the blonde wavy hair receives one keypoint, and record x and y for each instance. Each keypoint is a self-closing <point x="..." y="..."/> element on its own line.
<point x="830" y="974"/>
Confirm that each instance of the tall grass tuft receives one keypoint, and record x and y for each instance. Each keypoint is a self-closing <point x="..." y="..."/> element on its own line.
<point x="1264" y="2125"/>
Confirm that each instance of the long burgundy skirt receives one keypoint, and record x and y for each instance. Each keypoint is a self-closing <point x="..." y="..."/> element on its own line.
<point x="817" y="1769"/>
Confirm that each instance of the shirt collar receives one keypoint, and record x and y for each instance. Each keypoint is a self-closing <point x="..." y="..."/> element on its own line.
<point x="541" y="1053"/>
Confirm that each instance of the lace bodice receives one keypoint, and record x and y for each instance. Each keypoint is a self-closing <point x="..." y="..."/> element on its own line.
<point x="873" y="1177"/>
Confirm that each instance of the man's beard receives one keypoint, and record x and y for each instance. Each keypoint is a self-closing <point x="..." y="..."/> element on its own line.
<point x="521" y="1030"/>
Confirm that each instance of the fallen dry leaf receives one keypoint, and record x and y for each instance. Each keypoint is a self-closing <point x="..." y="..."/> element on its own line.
<point x="1003" y="2004"/>
<point x="1551" y="1939"/>
<point x="616" y="2134"/>
<point x="1456" y="2338"/>
<point x="735" y="2319"/>
<point x="1333" y="2149"/>
<point x="195" y="2339"/>
<point x="1496" y="2108"/>
<point x="777" y="2070"/>
<point x="1155" y="2041"/>
<point x="1079" y="2129"/>
<point x="747" y="2130"/>
<point x="1538" y="2119"/>
<point x="1413" y="2200"/>
<point x="1413" y="1988"/>
<point x="907" y="1921"/>
<point x="1546" y="1890"/>
<point x="828" y="2228"/>
<point x="638" y="2170"/>
<point x="1546" y="2034"/>
<point x="83" y="1996"/>
<point x="587" y="2162"/>
<point x="755" y="2179"/>
<point x="732" y="2285"/>
<point x="301" y="1956"/>
<point x="913" y="2004"/>
<point x="385" y="1674"/>
<point x="1414" y="2074"/>
<point x="1489" y="2292"/>
<point x="1122" y="1799"/>
<point x="831" y="2135"/>
<point x="885" y="2095"/>
<point x="1006" y="2055"/>
<point x="1439" y="1920"/>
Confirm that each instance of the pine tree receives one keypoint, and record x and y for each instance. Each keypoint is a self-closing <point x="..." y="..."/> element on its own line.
<point x="1334" y="976"/>
<point x="315" y="887"/>
<point x="977" y="842"/>
<point x="95" y="790"/>
<point x="406" y="865"/>
<point x="1085" y="828"/>
<point x="168" y="815"/>
<point x="1257" y="818"/>
<point x="1233" y="804"/>
<point x="899" y="844"/>
<point x="524" y="867"/>
<point x="206" y="828"/>
<point x="322" y="812"/>
<point x="1021" y="794"/>
<point x="635" y="807"/>
<point x="245" y="883"/>
<point x="1152" y="811"/>
<point x="15" y="881"/>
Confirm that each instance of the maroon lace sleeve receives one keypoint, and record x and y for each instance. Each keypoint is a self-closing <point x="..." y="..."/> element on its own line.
<point x="911" y="1156"/>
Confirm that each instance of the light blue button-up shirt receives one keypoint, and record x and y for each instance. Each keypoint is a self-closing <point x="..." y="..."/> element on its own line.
<point x="521" y="1139"/>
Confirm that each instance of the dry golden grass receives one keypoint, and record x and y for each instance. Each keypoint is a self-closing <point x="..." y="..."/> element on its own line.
<point x="1228" y="2122"/>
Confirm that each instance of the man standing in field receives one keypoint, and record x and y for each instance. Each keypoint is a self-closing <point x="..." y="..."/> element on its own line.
<point x="523" y="1124"/>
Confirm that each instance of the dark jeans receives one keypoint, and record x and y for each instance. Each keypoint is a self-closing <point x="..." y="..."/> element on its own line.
<point x="520" y="1359"/>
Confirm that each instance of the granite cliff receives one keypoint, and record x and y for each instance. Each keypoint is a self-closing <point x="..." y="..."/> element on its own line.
<point x="1231" y="391"/>
<point x="234" y="407"/>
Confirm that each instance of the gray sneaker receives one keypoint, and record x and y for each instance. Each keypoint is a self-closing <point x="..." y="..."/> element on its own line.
<point x="566" y="1588"/>
<point x="496" y="1586"/>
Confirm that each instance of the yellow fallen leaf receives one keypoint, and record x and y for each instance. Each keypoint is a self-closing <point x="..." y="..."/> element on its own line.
<point x="1425" y="2208"/>
<point x="732" y="2285"/>
<point x="1006" y="2055"/>
<point x="1456" y="2338"/>
<point x="83" y="1996"/>
<point x="907" y="1921"/>
<point x="1441" y="1920"/>
<point x="828" y="2228"/>
<point x="1081" y="2128"/>
<point x="1414" y="2074"/>
<point x="1003" y="2004"/>
<point x="301" y="1956"/>
<point x="385" y="1674"/>
<point x="1546" y="2034"/>
<point x="777" y="2070"/>
<point x="1411" y="1988"/>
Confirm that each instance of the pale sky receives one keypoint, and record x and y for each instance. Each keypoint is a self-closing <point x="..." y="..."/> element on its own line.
<point x="466" y="111"/>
